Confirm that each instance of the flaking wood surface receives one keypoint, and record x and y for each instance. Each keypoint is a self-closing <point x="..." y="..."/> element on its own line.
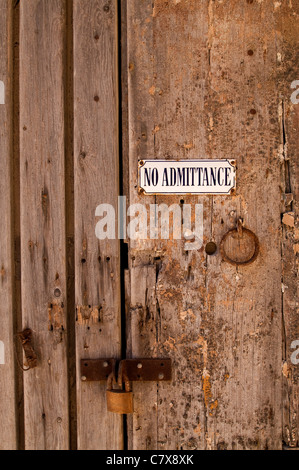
<point x="7" y="378"/>
<point x="288" y="28"/>
<point x="42" y="28"/>
<point x="97" y="263"/>
<point x="203" y="84"/>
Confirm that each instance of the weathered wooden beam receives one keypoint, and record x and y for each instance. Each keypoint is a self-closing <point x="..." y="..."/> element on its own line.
<point x="43" y="254"/>
<point x="96" y="164"/>
<point x="8" y="429"/>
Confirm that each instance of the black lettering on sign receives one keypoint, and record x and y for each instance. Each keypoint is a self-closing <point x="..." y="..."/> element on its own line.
<point x="181" y="177"/>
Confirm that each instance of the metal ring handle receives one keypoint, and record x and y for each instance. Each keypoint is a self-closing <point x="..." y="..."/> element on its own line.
<point x="240" y="263"/>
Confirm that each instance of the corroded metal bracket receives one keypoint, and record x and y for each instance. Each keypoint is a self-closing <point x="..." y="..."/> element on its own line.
<point x="137" y="370"/>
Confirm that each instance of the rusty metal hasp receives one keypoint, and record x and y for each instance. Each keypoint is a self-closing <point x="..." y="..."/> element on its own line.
<point x="137" y="370"/>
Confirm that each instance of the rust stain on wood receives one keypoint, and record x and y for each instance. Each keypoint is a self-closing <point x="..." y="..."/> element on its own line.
<point x="88" y="315"/>
<point x="26" y="338"/>
<point x="56" y="317"/>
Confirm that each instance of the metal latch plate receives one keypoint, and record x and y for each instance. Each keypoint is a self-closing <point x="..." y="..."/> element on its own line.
<point x="137" y="370"/>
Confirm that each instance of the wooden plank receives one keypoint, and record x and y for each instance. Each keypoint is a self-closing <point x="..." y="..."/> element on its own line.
<point x="216" y="98"/>
<point x="42" y="30"/>
<point x="97" y="262"/>
<point x="287" y="32"/>
<point x="247" y="300"/>
<point x="8" y="433"/>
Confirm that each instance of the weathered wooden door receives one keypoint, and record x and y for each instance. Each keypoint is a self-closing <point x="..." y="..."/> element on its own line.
<point x="93" y="87"/>
<point x="212" y="79"/>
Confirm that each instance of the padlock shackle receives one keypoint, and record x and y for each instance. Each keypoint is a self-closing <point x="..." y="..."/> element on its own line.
<point x="123" y="377"/>
<point x="110" y="382"/>
<point x="112" y="377"/>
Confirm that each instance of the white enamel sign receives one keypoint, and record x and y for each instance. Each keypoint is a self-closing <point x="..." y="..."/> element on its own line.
<point x="187" y="177"/>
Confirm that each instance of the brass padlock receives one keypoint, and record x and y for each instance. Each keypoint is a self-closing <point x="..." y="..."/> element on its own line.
<point x="119" y="401"/>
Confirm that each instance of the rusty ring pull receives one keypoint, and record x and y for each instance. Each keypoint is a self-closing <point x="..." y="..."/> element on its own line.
<point x="238" y="234"/>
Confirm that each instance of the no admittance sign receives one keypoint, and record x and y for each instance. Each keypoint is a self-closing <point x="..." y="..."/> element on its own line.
<point x="187" y="177"/>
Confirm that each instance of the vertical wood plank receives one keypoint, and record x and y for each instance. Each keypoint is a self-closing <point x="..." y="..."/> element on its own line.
<point x="8" y="439"/>
<point x="203" y="83"/>
<point x="42" y="32"/>
<point x="96" y="166"/>
<point x="167" y="68"/>
<point x="288" y="32"/>
<point x="246" y="301"/>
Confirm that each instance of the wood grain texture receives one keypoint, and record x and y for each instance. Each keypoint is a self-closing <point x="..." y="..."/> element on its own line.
<point x="42" y="29"/>
<point x="288" y="32"/>
<point x="8" y="431"/>
<point x="96" y="164"/>
<point x="203" y="84"/>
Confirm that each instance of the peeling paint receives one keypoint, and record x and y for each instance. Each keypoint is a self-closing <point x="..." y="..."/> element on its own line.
<point x="285" y="370"/>
<point x="207" y="389"/>
<point x="289" y="219"/>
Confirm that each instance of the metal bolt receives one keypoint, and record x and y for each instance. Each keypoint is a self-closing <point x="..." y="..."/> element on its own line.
<point x="139" y="366"/>
<point x="161" y="376"/>
<point x="83" y="378"/>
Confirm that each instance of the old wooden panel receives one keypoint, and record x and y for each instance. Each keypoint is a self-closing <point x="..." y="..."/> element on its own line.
<point x="97" y="262"/>
<point x="288" y="32"/>
<point x="7" y="378"/>
<point x="42" y="30"/>
<point x="202" y="84"/>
